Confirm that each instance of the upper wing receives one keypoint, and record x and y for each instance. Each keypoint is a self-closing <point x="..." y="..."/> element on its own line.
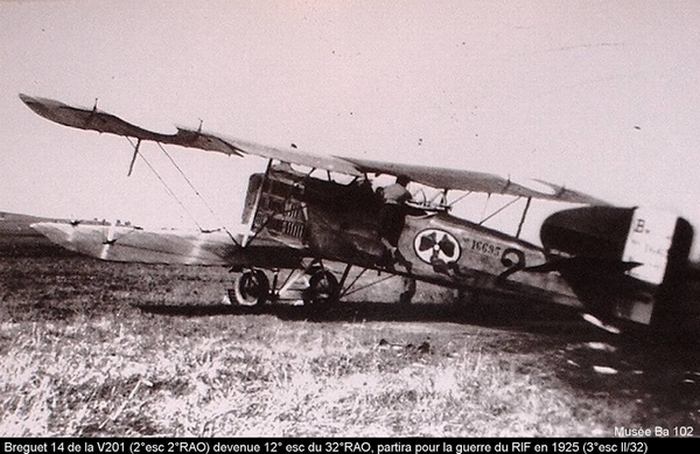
<point x="96" y="120"/>
<point x="467" y="180"/>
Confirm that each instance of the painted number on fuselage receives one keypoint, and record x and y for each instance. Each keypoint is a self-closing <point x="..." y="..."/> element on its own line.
<point x="514" y="261"/>
<point x="486" y="248"/>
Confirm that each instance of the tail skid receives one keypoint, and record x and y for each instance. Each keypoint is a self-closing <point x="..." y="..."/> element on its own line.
<point x="595" y="321"/>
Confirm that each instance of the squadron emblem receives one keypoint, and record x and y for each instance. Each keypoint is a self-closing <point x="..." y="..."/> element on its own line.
<point x="436" y="246"/>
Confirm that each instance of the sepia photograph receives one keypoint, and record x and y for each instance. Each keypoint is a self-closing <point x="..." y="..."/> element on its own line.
<point x="372" y="220"/>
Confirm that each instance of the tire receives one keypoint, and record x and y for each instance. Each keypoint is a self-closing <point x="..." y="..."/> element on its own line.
<point x="323" y="290"/>
<point x="409" y="291"/>
<point x="251" y="288"/>
<point x="466" y="304"/>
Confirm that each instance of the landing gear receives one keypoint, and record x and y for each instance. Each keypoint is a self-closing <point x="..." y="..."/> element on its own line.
<point x="311" y="286"/>
<point x="323" y="290"/>
<point x="408" y="292"/>
<point x="466" y="303"/>
<point x="251" y="288"/>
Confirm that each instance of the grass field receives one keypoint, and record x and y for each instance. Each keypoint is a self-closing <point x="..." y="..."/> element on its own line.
<point x="90" y="348"/>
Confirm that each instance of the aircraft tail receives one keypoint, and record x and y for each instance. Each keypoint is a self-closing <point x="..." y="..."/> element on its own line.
<point x="649" y="240"/>
<point x="635" y="259"/>
<point x="659" y="242"/>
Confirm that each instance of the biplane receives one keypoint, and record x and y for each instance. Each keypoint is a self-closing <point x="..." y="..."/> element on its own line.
<point x="612" y="263"/>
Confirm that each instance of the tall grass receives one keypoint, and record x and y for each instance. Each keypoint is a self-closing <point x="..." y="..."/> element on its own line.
<point x="77" y="358"/>
<point x="256" y="375"/>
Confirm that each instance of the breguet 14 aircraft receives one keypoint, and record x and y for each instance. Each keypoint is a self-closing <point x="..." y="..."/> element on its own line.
<point x="614" y="265"/>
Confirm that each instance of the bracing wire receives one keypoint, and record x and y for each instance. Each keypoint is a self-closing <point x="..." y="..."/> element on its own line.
<point x="499" y="210"/>
<point x="177" y="199"/>
<point x="167" y="188"/>
<point x="196" y="191"/>
<point x="189" y="182"/>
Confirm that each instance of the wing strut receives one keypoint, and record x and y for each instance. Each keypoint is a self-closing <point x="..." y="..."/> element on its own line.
<point x="522" y="218"/>
<point x="133" y="158"/>
<point x="251" y="222"/>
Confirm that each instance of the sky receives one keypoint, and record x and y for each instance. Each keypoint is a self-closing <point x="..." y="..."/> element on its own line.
<point x="599" y="96"/>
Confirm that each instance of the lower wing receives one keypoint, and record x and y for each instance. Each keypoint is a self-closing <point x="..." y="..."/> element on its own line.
<point x="131" y="244"/>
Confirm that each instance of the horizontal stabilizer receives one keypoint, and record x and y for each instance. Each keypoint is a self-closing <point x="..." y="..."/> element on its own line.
<point x="130" y="244"/>
<point x="583" y="265"/>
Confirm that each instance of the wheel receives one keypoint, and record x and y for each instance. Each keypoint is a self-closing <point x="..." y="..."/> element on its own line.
<point x="323" y="290"/>
<point x="409" y="290"/>
<point x="251" y="288"/>
<point x="466" y="304"/>
<point x="466" y="298"/>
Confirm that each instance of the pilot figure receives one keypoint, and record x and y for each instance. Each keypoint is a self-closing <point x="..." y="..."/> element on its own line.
<point x="392" y="217"/>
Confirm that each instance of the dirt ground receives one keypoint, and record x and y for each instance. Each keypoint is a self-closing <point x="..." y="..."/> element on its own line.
<point x="94" y="348"/>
